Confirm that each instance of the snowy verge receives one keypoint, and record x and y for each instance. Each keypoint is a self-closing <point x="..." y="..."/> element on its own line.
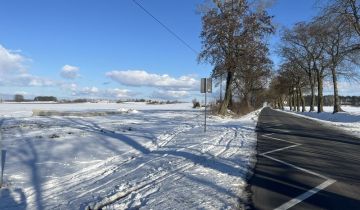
<point x="158" y="158"/>
<point x="215" y="178"/>
<point x="349" y="120"/>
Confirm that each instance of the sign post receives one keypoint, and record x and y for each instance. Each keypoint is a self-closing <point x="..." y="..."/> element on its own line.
<point x="205" y="87"/>
<point x="3" y="156"/>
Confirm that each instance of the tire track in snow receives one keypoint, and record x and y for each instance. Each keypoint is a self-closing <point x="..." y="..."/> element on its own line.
<point x="167" y="140"/>
<point x="145" y="184"/>
<point x="227" y="144"/>
<point x="169" y="136"/>
<point x="141" y="186"/>
<point x="91" y="175"/>
<point x="157" y="180"/>
<point x="143" y="194"/>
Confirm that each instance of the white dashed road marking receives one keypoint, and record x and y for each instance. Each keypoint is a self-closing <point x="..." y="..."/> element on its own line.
<point x="308" y="193"/>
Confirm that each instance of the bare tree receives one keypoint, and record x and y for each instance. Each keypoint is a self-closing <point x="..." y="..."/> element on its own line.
<point x="317" y="33"/>
<point x="298" y="82"/>
<point x="18" y="98"/>
<point x="301" y="46"/>
<point x="328" y="45"/>
<point x="349" y="10"/>
<point x="281" y="89"/>
<point x="230" y="31"/>
<point x="292" y="82"/>
<point x="252" y="76"/>
<point x="338" y="39"/>
<point x="276" y="93"/>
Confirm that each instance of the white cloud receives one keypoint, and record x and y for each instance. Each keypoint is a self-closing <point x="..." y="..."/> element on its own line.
<point x="13" y="71"/>
<point x="11" y="62"/>
<point x="69" y="72"/>
<point x="170" y="94"/>
<point x="69" y="86"/>
<point x="105" y="93"/>
<point x="143" y="78"/>
<point x="91" y="91"/>
<point x="40" y="82"/>
<point x="118" y="93"/>
<point x="26" y="80"/>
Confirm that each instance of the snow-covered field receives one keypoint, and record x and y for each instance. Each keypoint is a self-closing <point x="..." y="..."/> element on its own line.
<point x="349" y="120"/>
<point x="145" y="156"/>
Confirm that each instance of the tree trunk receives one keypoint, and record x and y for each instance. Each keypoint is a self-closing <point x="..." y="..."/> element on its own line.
<point x="312" y="86"/>
<point x="228" y="94"/>
<point x="293" y="101"/>
<point x="320" y="92"/>
<point x="297" y="100"/>
<point x="302" y="100"/>
<point x="312" y="101"/>
<point x="337" y="106"/>
<point x="279" y="100"/>
<point x="245" y="104"/>
<point x="230" y="105"/>
<point x="289" y="101"/>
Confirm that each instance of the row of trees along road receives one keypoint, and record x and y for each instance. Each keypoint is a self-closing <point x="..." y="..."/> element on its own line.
<point x="327" y="47"/>
<point x="234" y="41"/>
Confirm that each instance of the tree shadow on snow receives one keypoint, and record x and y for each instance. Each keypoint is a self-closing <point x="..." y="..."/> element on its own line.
<point x="12" y="199"/>
<point x="204" y="160"/>
<point x="29" y="156"/>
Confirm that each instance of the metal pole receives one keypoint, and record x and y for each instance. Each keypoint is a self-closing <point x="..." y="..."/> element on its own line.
<point x="221" y="87"/>
<point x="205" y="113"/>
<point x="3" y="155"/>
<point x="2" y="159"/>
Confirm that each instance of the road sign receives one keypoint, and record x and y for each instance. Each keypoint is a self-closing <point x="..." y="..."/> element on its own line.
<point x="209" y="85"/>
<point x="205" y="87"/>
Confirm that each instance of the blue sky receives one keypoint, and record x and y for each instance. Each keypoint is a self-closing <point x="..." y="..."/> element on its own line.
<point x="93" y="48"/>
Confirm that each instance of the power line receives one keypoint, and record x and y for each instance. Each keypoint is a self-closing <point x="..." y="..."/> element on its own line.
<point x="164" y="26"/>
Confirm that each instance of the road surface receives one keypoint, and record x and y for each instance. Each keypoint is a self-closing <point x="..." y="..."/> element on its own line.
<point x="302" y="164"/>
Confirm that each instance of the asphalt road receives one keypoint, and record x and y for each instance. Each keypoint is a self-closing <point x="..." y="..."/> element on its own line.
<point x="302" y="164"/>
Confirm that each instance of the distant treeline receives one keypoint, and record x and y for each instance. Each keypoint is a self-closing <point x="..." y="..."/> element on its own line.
<point x="84" y="100"/>
<point x="150" y="101"/>
<point x="21" y="98"/>
<point x="45" y="98"/>
<point x="329" y="100"/>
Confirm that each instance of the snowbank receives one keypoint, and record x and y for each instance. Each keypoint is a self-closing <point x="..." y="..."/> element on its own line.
<point x="348" y="120"/>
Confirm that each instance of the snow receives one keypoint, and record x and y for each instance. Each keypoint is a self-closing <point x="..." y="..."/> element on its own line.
<point x="349" y="120"/>
<point x="144" y="156"/>
<point x="9" y="109"/>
